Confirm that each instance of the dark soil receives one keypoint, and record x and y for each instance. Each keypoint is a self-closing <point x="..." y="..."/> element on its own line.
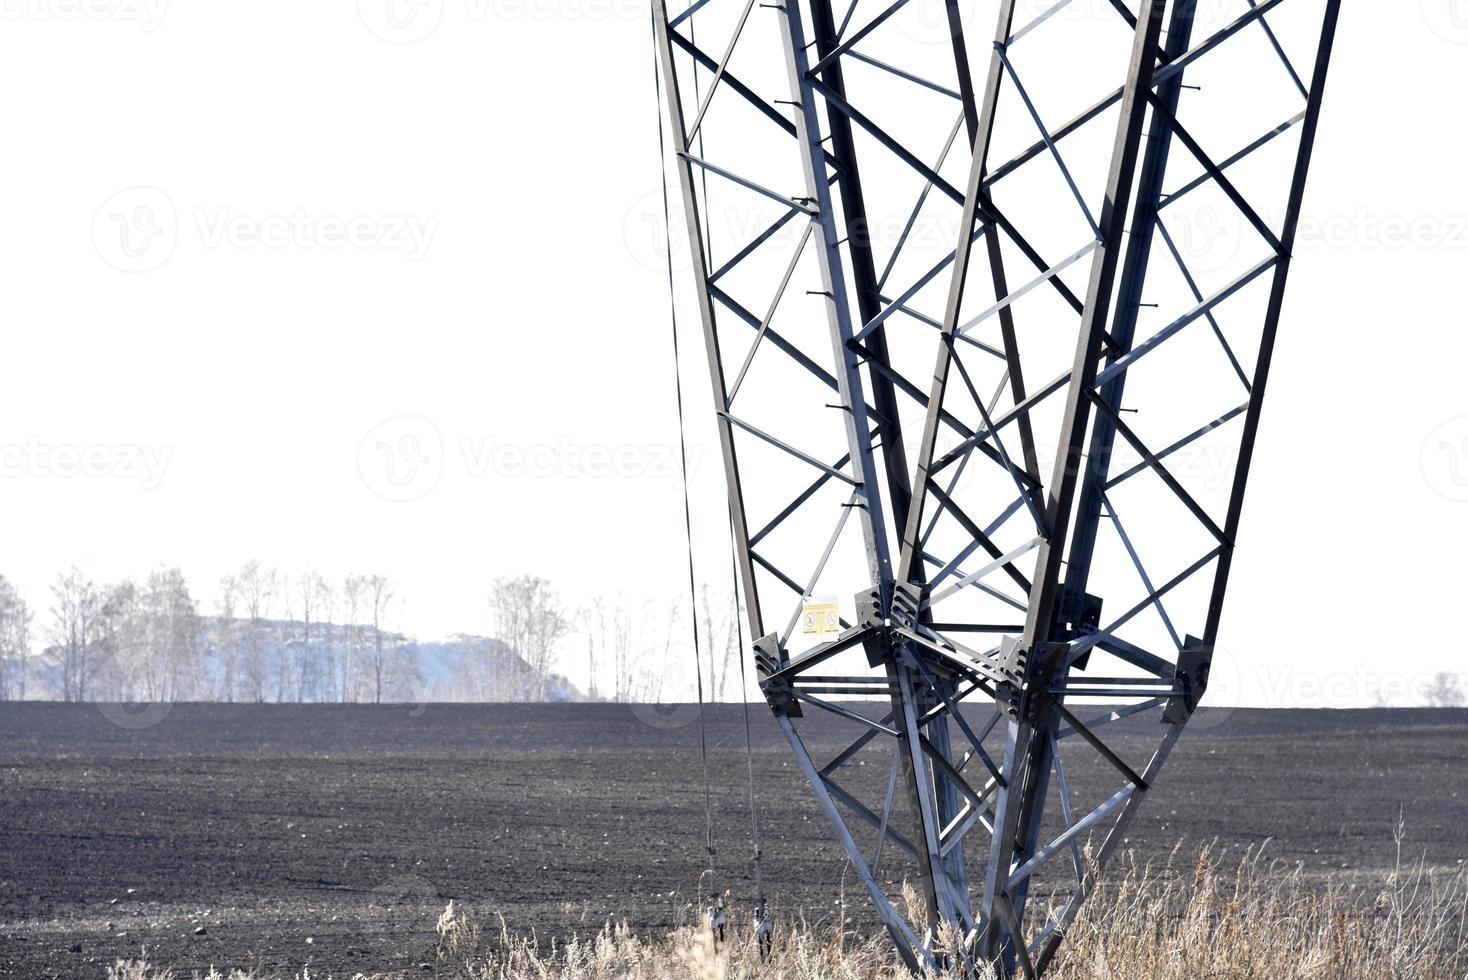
<point x="280" y="836"/>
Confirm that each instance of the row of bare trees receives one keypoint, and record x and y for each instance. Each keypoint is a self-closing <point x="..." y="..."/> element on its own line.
<point x="306" y="638"/>
<point x="272" y="637"/>
<point x="15" y="642"/>
<point x="646" y="648"/>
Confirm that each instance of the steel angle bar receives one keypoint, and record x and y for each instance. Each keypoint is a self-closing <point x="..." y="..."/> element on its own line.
<point x="1157" y="467"/>
<point x="1173" y="66"/>
<point x="973" y="577"/>
<point x="1272" y="315"/>
<point x="1131" y="357"/>
<point x="1114" y="716"/>
<point x="662" y="38"/>
<point x="1136" y="560"/>
<point x="1090" y="639"/>
<point x="780" y="444"/>
<point x="746" y="183"/>
<point x="1072" y="833"/>
<point x="1182" y="443"/>
<point x="1114" y="837"/>
<point x="1095" y="742"/>
<point x="770" y="231"/>
<point x="1024" y="290"/>
<point x="1168" y="200"/>
<point x="769" y="316"/>
<point x="786" y="346"/>
<point x="1046" y="137"/>
<point x="1198" y="295"/>
<point x="905" y="75"/>
<point x="911" y="949"/>
<point x="1027" y="756"/>
<point x="846" y="713"/>
<point x="815" y="575"/>
<point x="1167" y="119"/>
<point x="830" y="57"/>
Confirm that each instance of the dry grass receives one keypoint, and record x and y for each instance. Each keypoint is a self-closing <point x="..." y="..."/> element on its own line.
<point x="1209" y="920"/>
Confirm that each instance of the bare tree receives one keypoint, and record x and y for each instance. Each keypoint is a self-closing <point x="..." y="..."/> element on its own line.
<point x="120" y="667"/>
<point x="1445" y="691"/>
<point x="258" y="588"/>
<point x="718" y="638"/>
<point x="308" y="592"/>
<point x="73" y="623"/>
<point x="618" y="632"/>
<point x="649" y="677"/>
<point x="528" y="618"/>
<point x="380" y="594"/>
<point x="171" y="631"/>
<point x="326" y="603"/>
<point x="590" y="617"/>
<point x="353" y="587"/>
<point x="226" y="639"/>
<point x="15" y="642"/>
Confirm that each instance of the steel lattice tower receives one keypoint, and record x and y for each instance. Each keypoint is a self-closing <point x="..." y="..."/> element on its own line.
<point x="965" y="362"/>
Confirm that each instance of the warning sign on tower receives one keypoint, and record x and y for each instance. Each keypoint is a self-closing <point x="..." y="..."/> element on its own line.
<point x="821" y="617"/>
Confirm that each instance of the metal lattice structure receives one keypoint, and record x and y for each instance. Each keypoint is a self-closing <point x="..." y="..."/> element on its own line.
<point x="965" y="364"/>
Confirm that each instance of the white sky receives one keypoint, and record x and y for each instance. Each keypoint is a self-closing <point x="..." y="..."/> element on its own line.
<point x="503" y="290"/>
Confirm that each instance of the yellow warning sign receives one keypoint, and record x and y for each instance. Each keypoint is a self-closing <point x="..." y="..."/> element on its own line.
<point x="821" y="617"/>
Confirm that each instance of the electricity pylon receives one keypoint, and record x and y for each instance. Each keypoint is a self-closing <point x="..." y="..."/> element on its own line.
<point x="989" y="320"/>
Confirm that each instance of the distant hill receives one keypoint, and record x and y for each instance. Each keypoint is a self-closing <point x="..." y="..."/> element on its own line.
<point x="283" y="660"/>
